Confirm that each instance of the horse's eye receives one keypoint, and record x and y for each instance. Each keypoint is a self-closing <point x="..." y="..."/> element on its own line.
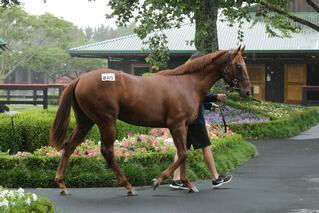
<point x="238" y="67"/>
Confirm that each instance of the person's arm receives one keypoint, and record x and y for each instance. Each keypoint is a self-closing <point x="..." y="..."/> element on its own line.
<point x="207" y="105"/>
<point x="210" y="98"/>
<point x="213" y="98"/>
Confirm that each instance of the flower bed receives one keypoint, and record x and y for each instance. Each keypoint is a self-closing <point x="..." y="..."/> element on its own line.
<point x="142" y="157"/>
<point x="284" y="120"/>
<point x="19" y="201"/>
<point x="157" y="141"/>
<point x="271" y="110"/>
<point x="233" y="115"/>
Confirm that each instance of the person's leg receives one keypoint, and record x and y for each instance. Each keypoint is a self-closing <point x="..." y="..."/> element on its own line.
<point x="177" y="183"/>
<point x="217" y="180"/>
<point x="210" y="162"/>
<point x="177" y="172"/>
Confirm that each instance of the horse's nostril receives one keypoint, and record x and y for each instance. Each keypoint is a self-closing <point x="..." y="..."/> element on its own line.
<point x="247" y="93"/>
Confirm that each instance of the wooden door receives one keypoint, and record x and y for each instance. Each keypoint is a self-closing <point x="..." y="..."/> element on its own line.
<point x="256" y="74"/>
<point x="295" y="78"/>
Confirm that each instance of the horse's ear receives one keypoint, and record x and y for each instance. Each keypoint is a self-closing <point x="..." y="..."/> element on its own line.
<point x="242" y="50"/>
<point x="237" y="51"/>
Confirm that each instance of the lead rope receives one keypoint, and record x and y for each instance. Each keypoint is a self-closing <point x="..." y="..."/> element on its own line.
<point x="221" y="110"/>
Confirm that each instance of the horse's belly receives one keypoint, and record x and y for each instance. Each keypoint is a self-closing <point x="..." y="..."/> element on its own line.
<point x="142" y="118"/>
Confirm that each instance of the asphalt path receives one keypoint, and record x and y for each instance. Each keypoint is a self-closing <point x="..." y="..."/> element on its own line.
<point x="284" y="177"/>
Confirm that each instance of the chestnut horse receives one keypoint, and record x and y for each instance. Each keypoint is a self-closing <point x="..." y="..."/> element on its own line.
<point x="169" y="99"/>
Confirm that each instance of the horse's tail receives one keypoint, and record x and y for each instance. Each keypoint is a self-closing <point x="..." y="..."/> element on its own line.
<point x="62" y="117"/>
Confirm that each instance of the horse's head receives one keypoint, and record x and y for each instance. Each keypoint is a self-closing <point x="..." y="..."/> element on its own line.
<point x="235" y="72"/>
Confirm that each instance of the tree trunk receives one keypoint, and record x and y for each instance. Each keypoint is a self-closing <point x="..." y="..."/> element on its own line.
<point x="206" y="37"/>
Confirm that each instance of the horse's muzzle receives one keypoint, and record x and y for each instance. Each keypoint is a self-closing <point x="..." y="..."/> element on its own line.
<point x="245" y="93"/>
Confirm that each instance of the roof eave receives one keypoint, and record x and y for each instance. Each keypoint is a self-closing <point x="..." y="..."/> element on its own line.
<point x="104" y="53"/>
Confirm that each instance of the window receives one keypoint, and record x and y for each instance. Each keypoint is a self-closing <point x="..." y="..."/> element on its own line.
<point x="139" y="69"/>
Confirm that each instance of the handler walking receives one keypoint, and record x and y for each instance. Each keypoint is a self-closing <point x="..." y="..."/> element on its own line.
<point x="197" y="137"/>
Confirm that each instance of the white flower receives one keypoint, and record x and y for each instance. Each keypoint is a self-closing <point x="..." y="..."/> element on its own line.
<point x="4" y="192"/>
<point x="168" y="141"/>
<point x="4" y="203"/>
<point x="20" y="195"/>
<point x="28" y="201"/>
<point x="34" y="197"/>
<point x="20" y="190"/>
<point x="10" y="194"/>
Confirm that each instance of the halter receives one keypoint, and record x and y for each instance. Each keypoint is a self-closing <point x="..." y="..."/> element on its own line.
<point x="231" y="76"/>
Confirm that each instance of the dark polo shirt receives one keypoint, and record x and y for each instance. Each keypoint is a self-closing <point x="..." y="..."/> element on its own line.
<point x="206" y="104"/>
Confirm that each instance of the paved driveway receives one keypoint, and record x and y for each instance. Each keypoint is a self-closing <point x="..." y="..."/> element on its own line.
<point x="283" y="178"/>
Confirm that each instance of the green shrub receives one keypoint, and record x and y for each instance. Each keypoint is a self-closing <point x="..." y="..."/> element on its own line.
<point x="147" y="74"/>
<point x="279" y="128"/>
<point x="31" y="130"/>
<point x="17" y="201"/>
<point x="285" y="120"/>
<point x="37" y="171"/>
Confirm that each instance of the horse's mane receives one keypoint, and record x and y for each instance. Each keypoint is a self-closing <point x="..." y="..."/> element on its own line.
<point x="193" y="65"/>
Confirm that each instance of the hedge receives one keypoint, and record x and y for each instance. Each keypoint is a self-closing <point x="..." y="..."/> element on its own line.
<point x="32" y="127"/>
<point x="39" y="171"/>
<point x="280" y="128"/>
<point x="31" y="130"/>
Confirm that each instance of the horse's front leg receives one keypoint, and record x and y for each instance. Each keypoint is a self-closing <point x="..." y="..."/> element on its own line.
<point x="179" y="136"/>
<point x="107" y="131"/>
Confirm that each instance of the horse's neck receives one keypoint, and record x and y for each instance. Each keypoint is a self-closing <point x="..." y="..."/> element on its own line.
<point x="205" y="79"/>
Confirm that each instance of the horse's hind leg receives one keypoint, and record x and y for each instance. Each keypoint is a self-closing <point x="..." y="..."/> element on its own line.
<point x="107" y="131"/>
<point x="179" y="136"/>
<point x="76" y="138"/>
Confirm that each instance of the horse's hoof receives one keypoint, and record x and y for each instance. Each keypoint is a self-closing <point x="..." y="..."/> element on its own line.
<point x="64" y="192"/>
<point x="193" y="189"/>
<point x="131" y="193"/>
<point x="155" y="184"/>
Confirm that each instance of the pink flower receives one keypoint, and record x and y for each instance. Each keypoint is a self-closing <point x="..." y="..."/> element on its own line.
<point x="141" y="138"/>
<point x="124" y="144"/>
<point x="143" y="150"/>
<point x="130" y="134"/>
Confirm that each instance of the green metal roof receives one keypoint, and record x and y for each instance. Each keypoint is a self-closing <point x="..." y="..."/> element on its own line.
<point x="256" y="41"/>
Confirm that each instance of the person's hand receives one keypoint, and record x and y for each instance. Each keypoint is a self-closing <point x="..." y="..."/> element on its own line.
<point x="214" y="107"/>
<point x="221" y="97"/>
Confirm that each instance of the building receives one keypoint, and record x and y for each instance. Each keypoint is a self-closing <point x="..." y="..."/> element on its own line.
<point x="278" y="67"/>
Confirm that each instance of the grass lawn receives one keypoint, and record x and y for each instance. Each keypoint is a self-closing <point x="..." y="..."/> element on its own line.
<point x="23" y="107"/>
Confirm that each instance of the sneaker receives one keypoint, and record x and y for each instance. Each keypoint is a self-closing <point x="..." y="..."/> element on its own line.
<point x="178" y="184"/>
<point x="222" y="179"/>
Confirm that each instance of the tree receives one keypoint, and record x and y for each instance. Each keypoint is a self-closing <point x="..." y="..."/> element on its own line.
<point x="52" y="57"/>
<point x="36" y="42"/>
<point x="16" y="31"/>
<point x="9" y="3"/>
<point x="103" y="33"/>
<point x="157" y="15"/>
<point x="56" y="63"/>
